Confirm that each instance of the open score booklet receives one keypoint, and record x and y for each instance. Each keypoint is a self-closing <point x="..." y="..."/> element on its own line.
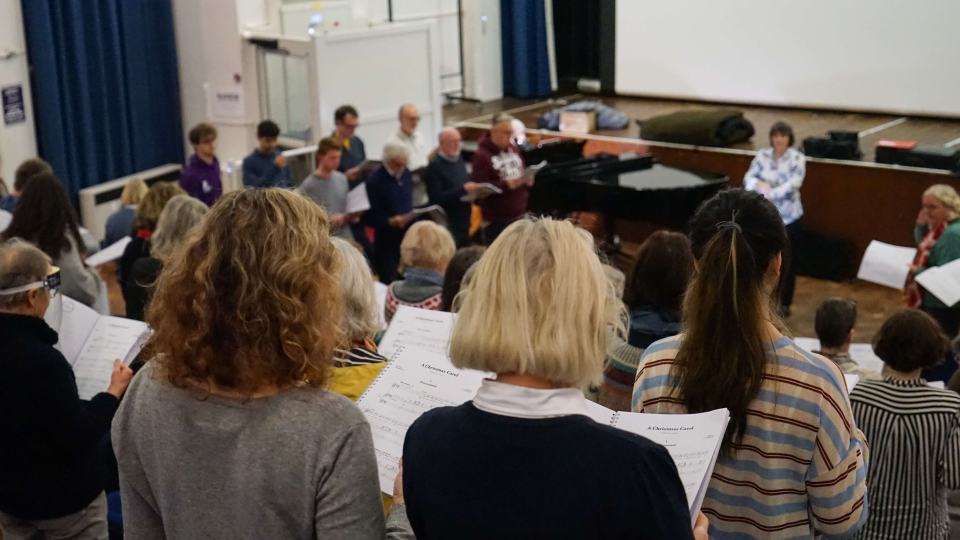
<point x="91" y="342"/>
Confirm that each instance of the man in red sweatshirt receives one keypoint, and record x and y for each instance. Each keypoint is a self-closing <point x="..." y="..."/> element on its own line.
<point x="498" y="162"/>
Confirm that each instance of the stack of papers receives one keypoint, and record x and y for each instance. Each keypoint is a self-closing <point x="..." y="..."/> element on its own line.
<point x="91" y="342"/>
<point x="886" y="264"/>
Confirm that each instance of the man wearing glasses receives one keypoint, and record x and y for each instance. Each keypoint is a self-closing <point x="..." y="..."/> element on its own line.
<point x="346" y="120"/>
<point x="49" y="461"/>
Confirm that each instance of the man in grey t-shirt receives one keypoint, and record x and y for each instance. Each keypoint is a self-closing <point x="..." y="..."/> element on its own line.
<point x="328" y="187"/>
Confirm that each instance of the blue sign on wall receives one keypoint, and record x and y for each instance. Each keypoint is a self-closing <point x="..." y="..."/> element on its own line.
<point x="13" y="107"/>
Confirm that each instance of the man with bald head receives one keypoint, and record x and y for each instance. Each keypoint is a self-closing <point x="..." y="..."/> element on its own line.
<point x="50" y="458"/>
<point x="417" y="147"/>
<point x="448" y="181"/>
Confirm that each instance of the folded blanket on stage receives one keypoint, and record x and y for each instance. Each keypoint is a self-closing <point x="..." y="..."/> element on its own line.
<point x="707" y="127"/>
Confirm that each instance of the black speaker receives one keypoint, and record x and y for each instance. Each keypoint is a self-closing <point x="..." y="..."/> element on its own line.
<point x="841" y="146"/>
<point x="930" y="157"/>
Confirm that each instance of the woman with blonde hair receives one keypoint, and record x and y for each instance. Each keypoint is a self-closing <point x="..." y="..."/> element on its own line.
<point x="181" y="214"/>
<point x="120" y="223"/>
<point x="425" y="252"/>
<point x="356" y="360"/>
<point x="148" y="213"/>
<point x="523" y="459"/>
<point x="228" y="432"/>
<point x="937" y="233"/>
<point x="793" y="463"/>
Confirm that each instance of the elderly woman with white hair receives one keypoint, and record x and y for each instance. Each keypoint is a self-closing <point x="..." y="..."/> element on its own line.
<point x="180" y="215"/>
<point x="523" y="459"/>
<point x="937" y="233"/>
<point x="356" y="361"/>
<point x="390" y="190"/>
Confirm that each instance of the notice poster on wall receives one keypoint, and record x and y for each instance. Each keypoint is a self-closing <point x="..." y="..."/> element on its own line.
<point x="14" y="111"/>
<point x="225" y="102"/>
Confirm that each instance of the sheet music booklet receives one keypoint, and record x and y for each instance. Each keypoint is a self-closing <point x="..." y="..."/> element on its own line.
<point x="433" y="212"/>
<point x="90" y="342"/>
<point x="357" y="199"/>
<point x="413" y="382"/>
<point x="484" y="189"/>
<point x="886" y="264"/>
<point x="110" y="253"/>
<point x="693" y="441"/>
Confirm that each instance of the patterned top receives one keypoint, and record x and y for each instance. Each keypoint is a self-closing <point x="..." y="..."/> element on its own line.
<point x="915" y="438"/>
<point x="419" y="288"/>
<point x="801" y="466"/>
<point x="784" y="175"/>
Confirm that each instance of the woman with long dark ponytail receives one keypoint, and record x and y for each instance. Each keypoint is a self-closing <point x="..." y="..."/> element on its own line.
<point x="793" y="463"/>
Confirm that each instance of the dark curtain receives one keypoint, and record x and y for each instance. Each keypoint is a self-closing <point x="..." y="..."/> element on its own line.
<point x="576" y="26"/>
<point x="526" y="66"/>
<point x="105" y="86"/>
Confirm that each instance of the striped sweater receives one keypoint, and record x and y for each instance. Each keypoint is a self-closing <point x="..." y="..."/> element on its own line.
<point x="800" y="468"/>
<point x="915" y="431"/>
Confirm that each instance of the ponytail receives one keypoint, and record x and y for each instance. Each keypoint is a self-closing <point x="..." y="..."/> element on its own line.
<point x="722" y="358"/>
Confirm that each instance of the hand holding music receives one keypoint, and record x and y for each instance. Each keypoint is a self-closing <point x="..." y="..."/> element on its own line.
<point x="119" y="379"/>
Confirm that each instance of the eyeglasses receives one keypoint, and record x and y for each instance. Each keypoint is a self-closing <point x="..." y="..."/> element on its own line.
<point x="51" y="283"/>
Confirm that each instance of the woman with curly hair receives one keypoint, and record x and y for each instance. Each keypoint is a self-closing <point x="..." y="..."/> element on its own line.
<point x="228" y="431"/>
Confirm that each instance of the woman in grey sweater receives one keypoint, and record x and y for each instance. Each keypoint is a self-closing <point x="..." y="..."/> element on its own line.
<point x="229" y="432"/>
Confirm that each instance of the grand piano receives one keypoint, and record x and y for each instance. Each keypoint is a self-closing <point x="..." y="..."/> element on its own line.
<point x="632" y="187"/>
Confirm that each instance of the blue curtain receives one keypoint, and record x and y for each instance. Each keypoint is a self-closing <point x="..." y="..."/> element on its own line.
<point x="526" y="66"/>
<point x="105" y="86"/>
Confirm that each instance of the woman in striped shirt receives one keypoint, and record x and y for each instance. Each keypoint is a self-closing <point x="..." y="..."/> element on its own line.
<point x="914" y="432"/>
<point x="793" y="463"/>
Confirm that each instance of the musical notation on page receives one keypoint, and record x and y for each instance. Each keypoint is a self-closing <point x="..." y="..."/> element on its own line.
<point x="692" y="440"/>
<point x="420" y="328"/>
<point x="91" y="342"/>
<point x="414" y="382"/>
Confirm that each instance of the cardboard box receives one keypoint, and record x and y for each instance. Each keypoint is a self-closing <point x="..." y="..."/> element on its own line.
<point x="578" y="122"/>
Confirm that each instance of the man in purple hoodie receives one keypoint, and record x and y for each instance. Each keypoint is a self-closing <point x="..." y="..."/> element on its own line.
<point x="498" y="162"/>
<point x="201" y="177"/>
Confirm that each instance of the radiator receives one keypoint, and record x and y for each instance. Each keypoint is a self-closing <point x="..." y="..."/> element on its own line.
<point x="98" y="202"/>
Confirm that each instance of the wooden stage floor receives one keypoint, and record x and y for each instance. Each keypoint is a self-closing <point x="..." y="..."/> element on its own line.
<point x="805" y="122"/>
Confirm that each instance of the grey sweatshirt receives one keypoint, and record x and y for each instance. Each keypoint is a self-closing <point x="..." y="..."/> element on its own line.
<point x="299" y="464"/>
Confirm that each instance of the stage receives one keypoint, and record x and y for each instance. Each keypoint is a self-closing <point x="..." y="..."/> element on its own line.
<point x="856" y="201"/>
<point x="805" y="122"/>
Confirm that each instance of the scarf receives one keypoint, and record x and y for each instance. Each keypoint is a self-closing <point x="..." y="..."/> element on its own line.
<point x="913" y="295"/>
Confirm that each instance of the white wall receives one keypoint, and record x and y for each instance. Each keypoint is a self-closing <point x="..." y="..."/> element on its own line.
<point x="211" y="54"/>
<point x="885" y="55"/>
<point x="17" y="141"/>
<point x="402" y="66"/>
<point x="444" y="13"/>
<point x="483" y="61"/>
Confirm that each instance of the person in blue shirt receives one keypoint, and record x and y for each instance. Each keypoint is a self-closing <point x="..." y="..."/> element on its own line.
<point x="266" y="166"/>
<point x="390" y="190"/>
